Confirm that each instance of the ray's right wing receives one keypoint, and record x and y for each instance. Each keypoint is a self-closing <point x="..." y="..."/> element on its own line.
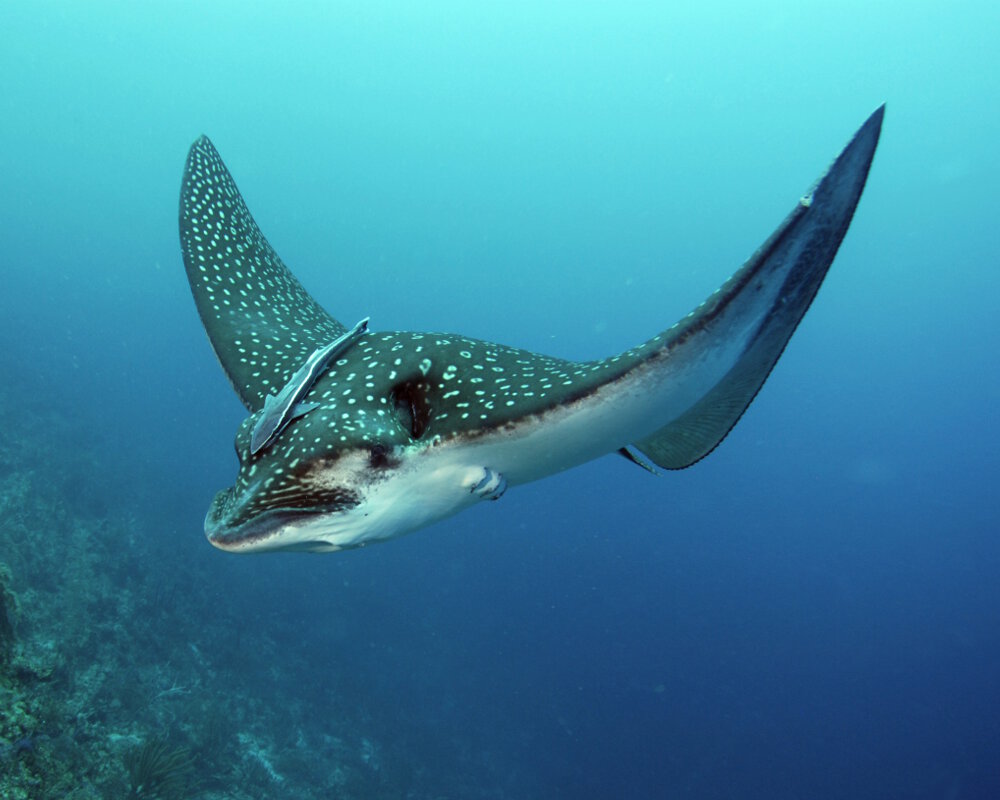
<point x="758" y="308"/>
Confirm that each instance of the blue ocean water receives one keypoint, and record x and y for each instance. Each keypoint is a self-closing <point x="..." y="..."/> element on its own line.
<point x="813" y="611"/>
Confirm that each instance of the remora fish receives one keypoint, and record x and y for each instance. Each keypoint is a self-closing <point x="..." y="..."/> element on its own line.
<point x="357" y="436"/>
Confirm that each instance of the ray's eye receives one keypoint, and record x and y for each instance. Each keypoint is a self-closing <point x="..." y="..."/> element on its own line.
<point x="379" y="456"/>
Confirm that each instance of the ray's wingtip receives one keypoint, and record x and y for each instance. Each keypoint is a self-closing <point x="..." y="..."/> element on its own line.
<point x="872" y="127"/>
<point x="877" y="116"/>
<point x="857" y="155"/>
<point x="202" y="144"/>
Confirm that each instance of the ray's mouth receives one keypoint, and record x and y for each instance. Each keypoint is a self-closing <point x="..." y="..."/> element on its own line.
<point x="230" y="526"/>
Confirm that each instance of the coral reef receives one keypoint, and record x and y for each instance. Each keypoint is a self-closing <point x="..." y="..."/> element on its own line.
<point x="158" y="771"/>
<point x="117" y="682"/>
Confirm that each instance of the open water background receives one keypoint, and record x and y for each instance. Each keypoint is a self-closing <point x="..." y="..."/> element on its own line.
<point x="814" y="611"/>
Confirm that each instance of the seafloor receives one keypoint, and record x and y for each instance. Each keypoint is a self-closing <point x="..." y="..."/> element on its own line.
<point x="116" y="683"/>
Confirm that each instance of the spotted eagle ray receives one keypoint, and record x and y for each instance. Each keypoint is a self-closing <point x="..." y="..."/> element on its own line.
<point x="357" y="436"/>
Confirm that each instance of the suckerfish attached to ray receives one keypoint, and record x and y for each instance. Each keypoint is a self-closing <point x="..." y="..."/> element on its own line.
<point x="359" y="436"/>
<point x="283" y="407"/>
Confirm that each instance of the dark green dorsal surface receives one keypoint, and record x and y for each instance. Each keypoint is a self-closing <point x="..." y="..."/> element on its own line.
<point x="262" y="324"/>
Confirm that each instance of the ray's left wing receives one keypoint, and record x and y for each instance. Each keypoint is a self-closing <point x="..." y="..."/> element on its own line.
<point x="261" y="322"/>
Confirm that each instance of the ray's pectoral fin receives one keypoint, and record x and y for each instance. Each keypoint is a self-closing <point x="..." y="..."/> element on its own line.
<point x="734" y="339"/>
<point x="262" y="324"/>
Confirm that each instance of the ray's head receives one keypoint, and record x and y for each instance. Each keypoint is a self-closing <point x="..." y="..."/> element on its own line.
<point x="310" y="489"/>
<point x="358" y="467"/>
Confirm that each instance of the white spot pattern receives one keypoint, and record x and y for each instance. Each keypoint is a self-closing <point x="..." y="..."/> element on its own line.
<point x="260" y="320"/>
